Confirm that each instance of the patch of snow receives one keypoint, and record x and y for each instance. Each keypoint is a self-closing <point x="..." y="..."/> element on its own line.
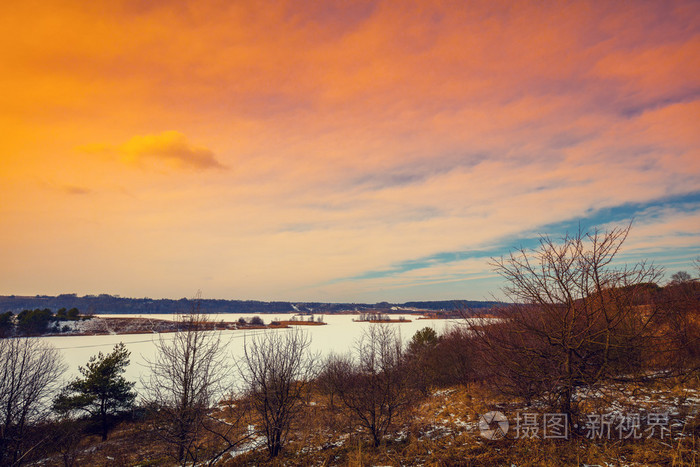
<point x="252" y="445"/>
<point x="443" y="392"/>
<point x="437" y="431"/>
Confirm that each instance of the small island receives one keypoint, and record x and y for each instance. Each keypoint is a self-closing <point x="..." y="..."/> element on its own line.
<point x="376" y="317"/>
<point x="300" y="320"/>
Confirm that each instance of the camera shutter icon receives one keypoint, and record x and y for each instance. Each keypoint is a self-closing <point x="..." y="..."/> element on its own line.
<point x="493" y="425"/>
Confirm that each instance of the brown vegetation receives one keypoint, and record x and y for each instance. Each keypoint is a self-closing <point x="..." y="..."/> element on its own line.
<point x="576" y="322"/>
<point x="442" y="429"/>
<point x="372" y="385"/>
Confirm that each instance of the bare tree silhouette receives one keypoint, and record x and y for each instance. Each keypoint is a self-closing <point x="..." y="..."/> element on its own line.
<point x="276" y="370"/>
<point x="186" y="377"/>
<point x="29" y="374"/>
<point x="373" y="384"/>
<point x="576" y="318"/>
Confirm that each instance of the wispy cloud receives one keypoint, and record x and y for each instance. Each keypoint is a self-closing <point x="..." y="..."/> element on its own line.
<point x="667" y="226"/>
<point x="170" y="147"/>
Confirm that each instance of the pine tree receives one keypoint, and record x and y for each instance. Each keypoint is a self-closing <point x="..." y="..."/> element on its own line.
<point x="102" y="391"/>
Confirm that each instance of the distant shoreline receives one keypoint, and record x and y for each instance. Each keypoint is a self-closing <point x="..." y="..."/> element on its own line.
<point x="105" y="326"/>
<point x="112" y="304"/>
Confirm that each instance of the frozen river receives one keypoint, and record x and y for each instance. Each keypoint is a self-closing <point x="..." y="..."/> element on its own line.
<point x="338" y="336"/>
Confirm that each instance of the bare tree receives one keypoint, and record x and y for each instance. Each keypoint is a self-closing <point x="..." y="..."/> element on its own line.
<point x="577" y="319"/>
<point x="373" y="384"/>
<point x="29" y="374"/>
<point x="276" y="371"/>
<point x="680" y="277"/>
<point x="186" y="377"/>
<point x="227" y="427"/>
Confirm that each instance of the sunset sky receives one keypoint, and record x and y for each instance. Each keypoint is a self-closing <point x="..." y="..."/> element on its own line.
<point x="338" y="151"/>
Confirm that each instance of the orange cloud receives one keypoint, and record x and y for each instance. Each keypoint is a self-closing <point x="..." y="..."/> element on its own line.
<point x="170" y="147"/>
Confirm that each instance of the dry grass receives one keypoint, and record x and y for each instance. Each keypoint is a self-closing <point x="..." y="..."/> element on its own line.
<point x="442" y="430"/>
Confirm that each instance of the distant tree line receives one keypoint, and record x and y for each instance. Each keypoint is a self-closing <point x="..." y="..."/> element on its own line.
<point x="105" y="303"/>
<point x="37" y="321"/>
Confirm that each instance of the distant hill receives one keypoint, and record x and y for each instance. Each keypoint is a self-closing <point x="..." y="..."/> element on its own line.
<point x="104" y="303"/>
